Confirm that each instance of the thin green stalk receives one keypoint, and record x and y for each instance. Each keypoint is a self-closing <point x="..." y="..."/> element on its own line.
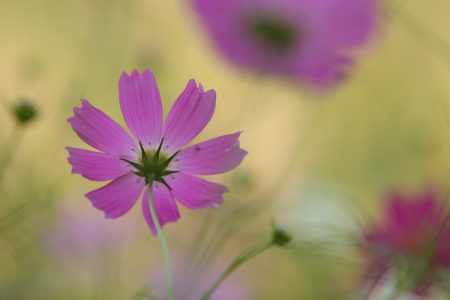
<point x="245" y="256"/>
<point x="163" y="243"/>
<point x="9" y="148"/>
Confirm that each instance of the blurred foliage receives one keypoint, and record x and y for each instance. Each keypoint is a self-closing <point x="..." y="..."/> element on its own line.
<point x="320" y="163"/>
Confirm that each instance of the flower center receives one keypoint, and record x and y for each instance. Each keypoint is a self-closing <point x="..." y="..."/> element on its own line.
<point x="413" y="244"/>
<point x="275" y="33"/>
<point x="153" y="165"/>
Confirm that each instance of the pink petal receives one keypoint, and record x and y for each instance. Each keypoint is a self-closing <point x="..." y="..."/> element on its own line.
<point x="95" y="165"/>
<point x="214" y="156"/>
<point x="190" y="113"/>
<point x="141" y="106"/>
<point x="99" y="131"/>
<point x="117" y="197"/>
<point x="165" y="207"/>
<point x="195" y="192"/>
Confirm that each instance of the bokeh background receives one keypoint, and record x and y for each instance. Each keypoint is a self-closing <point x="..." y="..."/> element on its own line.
<point x="321" y="163"/>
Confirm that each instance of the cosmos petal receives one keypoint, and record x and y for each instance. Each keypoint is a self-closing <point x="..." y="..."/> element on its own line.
<point x="190" y="113"/>
<point x="141" y="106"/>
<point x="214" y="156"/>
<point x="195" y="192"/>
<point x="165" y="206"/>
<point x="117" y="197"/>
<point x="96" y="165"/>
<point x="99" y="131"/>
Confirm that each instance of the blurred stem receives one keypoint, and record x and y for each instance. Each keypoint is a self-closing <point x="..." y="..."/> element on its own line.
<point x="421" y="29"/>
<point x="10" y="148"/>
<point x="238" y="261"/>
<point x="163" y="243"/>
<point x="397" y="294"/>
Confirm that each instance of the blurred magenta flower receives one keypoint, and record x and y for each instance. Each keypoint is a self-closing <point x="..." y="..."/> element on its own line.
<point x="307" y="40"/>
<point x="413" y="241"/>
<point x="156" y="152"/>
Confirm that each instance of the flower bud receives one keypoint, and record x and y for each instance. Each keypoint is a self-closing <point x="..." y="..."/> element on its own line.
<point x="281" y="236"/>
<point x="24" y="111"/>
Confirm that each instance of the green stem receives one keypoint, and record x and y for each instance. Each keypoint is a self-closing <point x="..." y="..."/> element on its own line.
<point x="9" y="149"/>
<point x="245" y="256"/>
<point x="163" y="243"/>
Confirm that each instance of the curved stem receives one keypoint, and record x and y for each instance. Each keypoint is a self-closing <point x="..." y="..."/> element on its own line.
<point x="163" y="243"/>
<point x="245" y="256"/>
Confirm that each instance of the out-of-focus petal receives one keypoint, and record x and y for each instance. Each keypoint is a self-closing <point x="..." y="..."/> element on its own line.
<point x="99" y="131"/>
<point x="195" y="192"/>
<point x="141" y="106"/>
<point x="319" y="36"/>
<point x="96" y="165"/>
<point x="117" y="197"/>
<point x="414" y="228"/>
<point x="190" y="113"/>
<point x="214" y="156"/>
<point x="165" y="207"/>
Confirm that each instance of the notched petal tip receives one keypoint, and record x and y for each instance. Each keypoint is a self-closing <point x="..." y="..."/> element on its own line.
<point x="191" y="82"/>
<point x="191" y="86"/>
<point x="135" y="73"/>
<point x="85" y="103"/>
<point x="200" y="88"/>
<point x="210" y="93"/>
<point x="127" y="77"/>
<point x="243" y="152"/>
<point x="148" y="72"/>
<point x="124" y="78"/>
<point x="105" y="215"/>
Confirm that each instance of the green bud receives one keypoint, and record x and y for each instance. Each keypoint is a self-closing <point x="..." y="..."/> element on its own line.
<point x="24" y="111"/>
<point x="281" y="235"/>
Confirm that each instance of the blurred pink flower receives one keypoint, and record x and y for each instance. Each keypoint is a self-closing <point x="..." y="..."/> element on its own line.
<point x="191" y="283"/>
<point x="413" y="240"/>
<point x="80" y="236"/>
<point x="156" y="155"/>
<point x="308" y="40"/>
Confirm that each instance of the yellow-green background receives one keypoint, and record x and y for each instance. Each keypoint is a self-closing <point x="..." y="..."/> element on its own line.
<point x="320" y="162"/>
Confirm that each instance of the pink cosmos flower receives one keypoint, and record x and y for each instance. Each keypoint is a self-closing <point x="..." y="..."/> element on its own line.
<point x="307" y="40"/>
<point x="157" y="152"/>
<point x="413" y="241"/>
